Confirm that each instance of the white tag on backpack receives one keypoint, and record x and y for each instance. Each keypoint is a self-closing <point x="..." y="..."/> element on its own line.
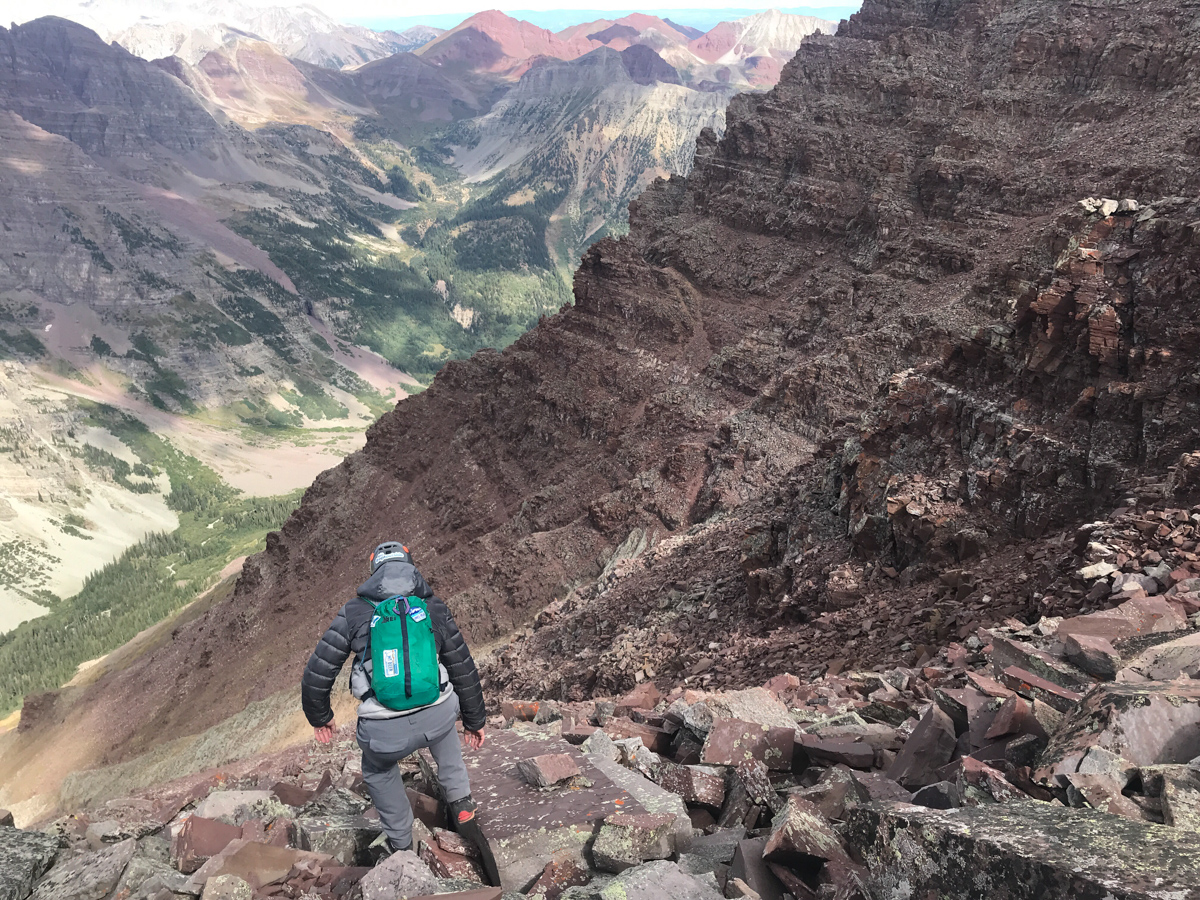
<point x="391" y="663"/>
<point x="417" y="614"/>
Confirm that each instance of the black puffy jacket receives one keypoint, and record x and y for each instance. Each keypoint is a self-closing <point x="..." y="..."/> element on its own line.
<point x="351" y="629"/>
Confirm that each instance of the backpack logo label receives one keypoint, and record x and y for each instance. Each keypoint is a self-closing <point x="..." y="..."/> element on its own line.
<point x="391" y="663"/>
<point x="417" y="614"/>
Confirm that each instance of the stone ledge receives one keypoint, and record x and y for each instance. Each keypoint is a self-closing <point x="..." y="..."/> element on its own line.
<point x="1021" y="851"/>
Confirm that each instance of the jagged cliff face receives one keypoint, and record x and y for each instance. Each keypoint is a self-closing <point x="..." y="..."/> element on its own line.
<point x="872" y="332"/>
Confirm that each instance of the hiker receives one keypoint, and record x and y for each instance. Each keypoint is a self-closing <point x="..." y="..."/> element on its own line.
<point x="413" y="674"/>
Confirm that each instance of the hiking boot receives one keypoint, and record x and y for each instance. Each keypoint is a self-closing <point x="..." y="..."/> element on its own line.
<point x="463" y="810"/>
<point x="462" y="814"/>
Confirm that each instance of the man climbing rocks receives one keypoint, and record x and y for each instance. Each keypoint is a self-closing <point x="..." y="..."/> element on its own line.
<point x="413" y="674"/>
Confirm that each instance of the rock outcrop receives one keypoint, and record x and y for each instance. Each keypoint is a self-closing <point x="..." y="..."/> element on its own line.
<point x="1099" y="800"/>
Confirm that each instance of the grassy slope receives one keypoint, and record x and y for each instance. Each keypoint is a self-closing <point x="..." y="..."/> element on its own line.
<point x="150" y="580"/>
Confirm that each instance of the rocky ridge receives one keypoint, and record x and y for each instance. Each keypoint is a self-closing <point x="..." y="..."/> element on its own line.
<point x="856" y="784"/>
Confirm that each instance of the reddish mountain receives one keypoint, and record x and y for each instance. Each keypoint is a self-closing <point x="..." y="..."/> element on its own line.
<point x="686" y="30"/>
<point x="714" y="44"/>
<point x="493" y="42"/>
<point x="638" y="22"/>
<point x="643" y="22"/>
<point x="615" y="33"/>
<point x="762" y="71"/>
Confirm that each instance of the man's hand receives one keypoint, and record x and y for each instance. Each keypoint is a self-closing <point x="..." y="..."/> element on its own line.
<point x="324" y="734"/>
<point x="474" y="739"/>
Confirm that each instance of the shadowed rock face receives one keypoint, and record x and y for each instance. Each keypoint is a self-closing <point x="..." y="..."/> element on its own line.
<point x="63" y="78"/>
<point x="847" y="251"/>
<point x="646" y="67"/>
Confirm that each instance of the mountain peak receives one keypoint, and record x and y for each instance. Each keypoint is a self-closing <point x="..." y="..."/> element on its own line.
<point x="496" y="42"/>
<point x="770" y="33"/>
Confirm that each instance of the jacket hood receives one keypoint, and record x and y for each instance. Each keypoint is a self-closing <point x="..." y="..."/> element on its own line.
<point x="394" y="578"/>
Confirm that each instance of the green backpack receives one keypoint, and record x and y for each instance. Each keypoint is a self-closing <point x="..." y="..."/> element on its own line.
<point x="404" y="656"/>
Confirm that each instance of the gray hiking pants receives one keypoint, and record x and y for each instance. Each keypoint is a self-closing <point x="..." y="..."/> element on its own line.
<point x="385" y="742"/>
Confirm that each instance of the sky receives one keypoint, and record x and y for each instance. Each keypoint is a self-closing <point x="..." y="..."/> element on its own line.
<point x="381" y="9"/>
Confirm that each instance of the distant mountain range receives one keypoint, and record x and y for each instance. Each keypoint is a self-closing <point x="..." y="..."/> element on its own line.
<point x="190" y="30"/>
<point x="748" y="51"/>
<point x="490" y="40"/>
<point x="701" y="20"/>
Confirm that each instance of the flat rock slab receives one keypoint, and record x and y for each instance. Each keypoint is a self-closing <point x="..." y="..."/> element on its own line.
<point x="87" y="876"/>
<point x="693" y="784"/>
<point x="1102" y="792"/>
<point x="336" y="801"/>
<point x="655" y="738"/>
<point x="657" y="881"/>
<point x="1022" y="851"/>
<point x="199" y="840"/>
<point x="141" y="869"/>
<point x="1165" y="662"/>
<point x="801" y="837"/>
<point x="856" y="754"/>
<point x="24" y="858"/>
<point x="446" y="864"/>
<point x="226" y="887"/>
<point x="229" y="804"/>
<point x="1027" y="684"/>
<point x="527" y="826"/>
<point x="1007" y="654"/>
<point x="1142" y="615"/>
<point x="1148" y="724"/>
<point x="643" y="697"/>
<point x="1178" y="789"/>
<point x="1094" y="654"/>
<point x="558" y="876"/>
<point x="731" y="742"/>
<point x="490" y="893"/>
<point x="402" y="874"/>
<point x="649" y="796"/>
<point x="510" y="807"/>
<point x="711" y="850"/>
<point x="751" y="705"/>
<point x="879" y="787"/>
<point x="256" y="863"/>
<point x="291" y="794"/>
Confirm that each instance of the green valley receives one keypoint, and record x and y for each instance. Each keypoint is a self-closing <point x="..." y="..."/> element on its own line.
<point x="150" y="580"/>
